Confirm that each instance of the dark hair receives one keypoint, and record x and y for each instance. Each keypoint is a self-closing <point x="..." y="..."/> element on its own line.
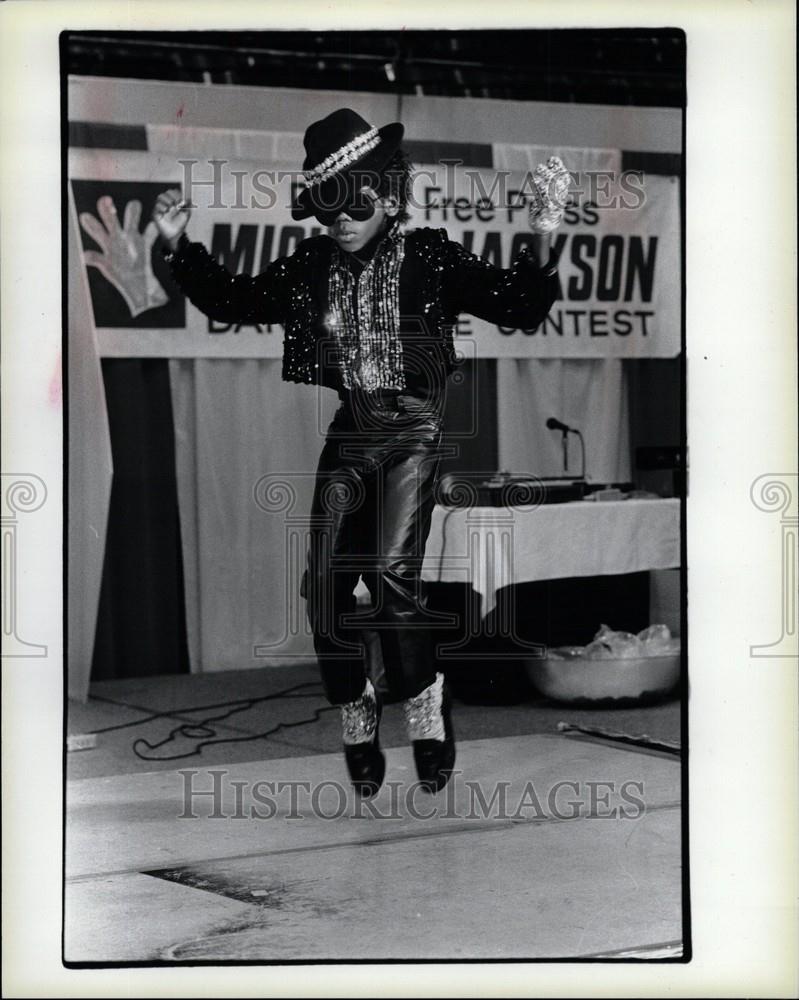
<point x="396" y="181"/>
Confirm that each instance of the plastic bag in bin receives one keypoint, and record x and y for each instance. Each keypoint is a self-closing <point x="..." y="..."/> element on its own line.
<point x="611" y="645"/>
<point x="608" y="644"/>
<point x="658" y="640"/>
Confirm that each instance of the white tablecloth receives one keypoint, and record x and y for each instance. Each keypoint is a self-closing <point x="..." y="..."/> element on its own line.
<point x="492" y="547"/>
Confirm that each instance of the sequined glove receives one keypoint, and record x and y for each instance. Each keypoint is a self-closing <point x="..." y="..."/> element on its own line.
<point x="550" y="195"/>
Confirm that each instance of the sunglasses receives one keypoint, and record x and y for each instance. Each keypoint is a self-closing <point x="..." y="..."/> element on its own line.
<point x="359" y="206"/>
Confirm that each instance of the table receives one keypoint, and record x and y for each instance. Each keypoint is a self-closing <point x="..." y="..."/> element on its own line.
<point x="493" y="547"/>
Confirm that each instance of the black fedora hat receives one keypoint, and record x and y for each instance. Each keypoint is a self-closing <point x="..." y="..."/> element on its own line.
<point x="337" y="148"/>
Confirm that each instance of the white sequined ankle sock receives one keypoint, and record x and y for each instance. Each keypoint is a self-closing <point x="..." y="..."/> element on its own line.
<point x="423" y="716"/>
<point x="359" y="717"/>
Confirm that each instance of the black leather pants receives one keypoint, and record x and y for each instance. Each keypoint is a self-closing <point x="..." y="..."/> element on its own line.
<point x="373" y="501"/>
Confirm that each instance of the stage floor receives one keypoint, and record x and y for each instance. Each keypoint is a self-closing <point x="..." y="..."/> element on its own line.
<point x="543" y="846"/>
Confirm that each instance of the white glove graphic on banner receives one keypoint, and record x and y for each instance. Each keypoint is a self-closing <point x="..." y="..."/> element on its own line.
<point x="124" y="259"/>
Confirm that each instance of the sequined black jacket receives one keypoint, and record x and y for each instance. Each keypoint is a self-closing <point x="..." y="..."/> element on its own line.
<point x="438" y="280"/>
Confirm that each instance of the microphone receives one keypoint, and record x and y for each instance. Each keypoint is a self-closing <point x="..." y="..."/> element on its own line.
<point x="557" y="425"/>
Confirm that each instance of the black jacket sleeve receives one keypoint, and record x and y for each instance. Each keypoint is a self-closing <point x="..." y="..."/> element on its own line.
<point x="520" y="296"/>
<point x="225" y="297"/>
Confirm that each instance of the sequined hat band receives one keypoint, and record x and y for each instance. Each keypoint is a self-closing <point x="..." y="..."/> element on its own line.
<point x="342" y="158"/>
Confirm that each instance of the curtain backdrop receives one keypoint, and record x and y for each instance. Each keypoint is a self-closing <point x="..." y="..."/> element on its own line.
<point x="588" y="395"/>
<point x="247" y="445"/>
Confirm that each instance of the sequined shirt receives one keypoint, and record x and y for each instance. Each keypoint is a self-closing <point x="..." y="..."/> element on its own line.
<point x="364" y="314"/>
<point x="417" y="301"/>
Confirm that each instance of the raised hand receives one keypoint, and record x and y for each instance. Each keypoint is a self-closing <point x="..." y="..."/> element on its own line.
<point x="125" y="254"/>
<point x="550" y="195"/>
<point x="171" y="215"/>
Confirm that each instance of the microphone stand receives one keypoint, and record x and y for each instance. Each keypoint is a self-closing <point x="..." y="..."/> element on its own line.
<point x="582" y="453"/>
<point x="554" y="424"/>
<point x="565" y="441"/>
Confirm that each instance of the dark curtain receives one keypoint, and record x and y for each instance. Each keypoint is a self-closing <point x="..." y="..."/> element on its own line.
<point x="656" y="399"/>
<point x="141" y="626"/>
<point x="470" y="418"/>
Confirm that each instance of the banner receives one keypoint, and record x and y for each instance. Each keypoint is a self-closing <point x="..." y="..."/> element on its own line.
<point x="618" y="247"/>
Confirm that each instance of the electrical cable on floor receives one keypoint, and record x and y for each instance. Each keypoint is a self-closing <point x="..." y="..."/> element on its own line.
<point x="184" y="730"/>
<point x="177" y="712"/>
<point x="204" y="727"/>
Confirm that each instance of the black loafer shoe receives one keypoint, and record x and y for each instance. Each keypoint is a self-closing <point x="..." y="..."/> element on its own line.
<point x="366" y="763"/>
<point x="435" y="759"/>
